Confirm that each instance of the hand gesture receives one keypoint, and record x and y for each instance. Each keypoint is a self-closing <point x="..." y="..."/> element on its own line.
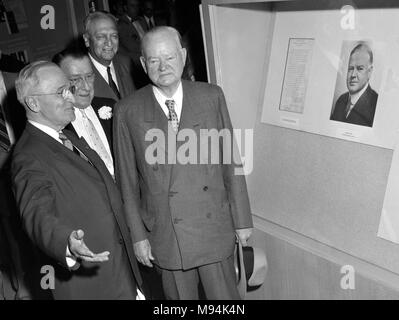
<point x="80" y="251"/>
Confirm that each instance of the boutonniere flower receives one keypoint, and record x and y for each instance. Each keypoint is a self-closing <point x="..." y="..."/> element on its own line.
<point x="105" y="112"/>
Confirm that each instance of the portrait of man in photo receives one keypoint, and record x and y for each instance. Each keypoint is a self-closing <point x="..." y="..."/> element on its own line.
<point x="358" y="104"/>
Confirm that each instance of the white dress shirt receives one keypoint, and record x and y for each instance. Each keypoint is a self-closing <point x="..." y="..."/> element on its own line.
<point x="103" y="70"/>
<point x="177" y="97"/>
<point x="80" y="128"/>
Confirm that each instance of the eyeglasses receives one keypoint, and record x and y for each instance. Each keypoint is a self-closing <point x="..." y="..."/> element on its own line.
<point x="78" y="80"/>
<point x="63" y="93"/>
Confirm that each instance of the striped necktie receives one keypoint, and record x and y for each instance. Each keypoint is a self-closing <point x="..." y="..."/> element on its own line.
<point x="173" y="119"/>
<point x="5" y="142"/>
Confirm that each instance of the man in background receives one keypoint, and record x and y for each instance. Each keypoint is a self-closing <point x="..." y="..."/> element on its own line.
<point x="113" y="72"/>
<point x="131" y="28"/>
<point x="68" y="202"/>
<point x="357" y="106"/>
<point x="93" y="115"/>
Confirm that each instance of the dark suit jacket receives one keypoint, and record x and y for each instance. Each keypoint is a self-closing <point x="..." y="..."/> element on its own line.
<point x="190" y="211"/>
<point x="123" y="70"/>
<point x="57" y="192"/>
<point x="130" y="45"/>
<point x="362" y="112"/>
<point x="97" y="103"/>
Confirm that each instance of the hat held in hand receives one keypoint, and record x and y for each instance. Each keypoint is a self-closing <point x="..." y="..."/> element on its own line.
<point x="251" y="266"/>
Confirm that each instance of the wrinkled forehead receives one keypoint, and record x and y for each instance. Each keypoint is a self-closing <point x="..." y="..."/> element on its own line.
<point x="75" y="66"/>
<point x="163" y="41"/>
<point x="51" y="77"/>
<point x="360" y="57"/>
<point x="102" y="25"/>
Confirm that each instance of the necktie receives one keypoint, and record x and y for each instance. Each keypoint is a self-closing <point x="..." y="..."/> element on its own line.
<point x="348" y="108"/>
<point x="173" y="119"/>
<point x="96" y="143"/>
<point x="112" y="83"/>
<point x="150" y="24"/>
<point x="5" y="142"/>
<point x="68" y="143"/>
<point x="65" y="141"/>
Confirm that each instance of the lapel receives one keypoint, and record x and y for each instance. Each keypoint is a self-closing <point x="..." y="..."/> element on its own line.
<point x="97" y="103"/>
<point x="362" y="106"/>
<point x="191" y="118"/>
<point x="60" y="152"/>
<point x="101" y="87"/>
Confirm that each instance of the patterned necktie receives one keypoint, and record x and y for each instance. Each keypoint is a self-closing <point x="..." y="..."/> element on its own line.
<point x="5" y="142"/>
<point x="65" y="141"/>
<point x="173" y="119"/>
<point x="348" y="108"/>
<point x="112" y="83"/>
<point x="68" y="143"/>
<point x="96" y="143"/>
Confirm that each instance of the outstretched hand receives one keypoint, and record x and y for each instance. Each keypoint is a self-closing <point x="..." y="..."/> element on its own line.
<point x="80" y="251"/>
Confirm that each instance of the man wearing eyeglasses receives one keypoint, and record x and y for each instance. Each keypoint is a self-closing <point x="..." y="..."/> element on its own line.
<point x="69" y="204"/>
<point x="93" y="115"/>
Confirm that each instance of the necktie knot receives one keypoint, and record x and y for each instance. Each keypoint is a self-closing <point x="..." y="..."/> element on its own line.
<point x="65" y="141"/>
<point x="170" y="104"/>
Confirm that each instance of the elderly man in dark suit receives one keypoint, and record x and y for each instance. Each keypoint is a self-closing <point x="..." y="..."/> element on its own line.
<point x="93" y="115"/>
<point x="357" y="106"/>
<point x="186" y="216"/>
<point x="69" y="204"/>
<point x="113" y="72"/>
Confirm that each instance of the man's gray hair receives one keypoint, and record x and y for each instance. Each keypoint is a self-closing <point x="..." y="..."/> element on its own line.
<point x="28" y="78"/>
<point x="363" y="46"/>
<point x="96" y="16"/>
<point x="159" y="29"/>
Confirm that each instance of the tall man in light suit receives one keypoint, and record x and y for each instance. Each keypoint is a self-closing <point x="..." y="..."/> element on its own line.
<point x="113" y="72"/>
<point x="69" y="204"/>
<point x="185" y="217"/>
<point x="93" y="115"/>
<point x="357" y="106"/>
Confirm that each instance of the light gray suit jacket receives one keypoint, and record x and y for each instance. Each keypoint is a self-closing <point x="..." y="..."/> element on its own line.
<point x="189" y="212"/>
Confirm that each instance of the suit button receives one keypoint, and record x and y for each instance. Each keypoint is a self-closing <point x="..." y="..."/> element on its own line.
<point x="120" y="240"/>
<point x="205" y="188"/>
<point x="209" y="215"/>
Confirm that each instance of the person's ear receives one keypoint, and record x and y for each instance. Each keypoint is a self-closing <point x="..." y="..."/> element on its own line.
<point x="32" y="104"/>
<point x="86" y="40"/>
<point x="184" y="55"/>
<point x="142" y="60"/>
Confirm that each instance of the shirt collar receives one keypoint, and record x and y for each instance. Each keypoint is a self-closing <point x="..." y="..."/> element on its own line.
<point x="100" y="67"/>
<point x="177" y="97"/>
<point x="46" y="129"/>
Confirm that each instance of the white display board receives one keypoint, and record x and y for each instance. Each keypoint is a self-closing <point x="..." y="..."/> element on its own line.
<point x="308" y="69"/>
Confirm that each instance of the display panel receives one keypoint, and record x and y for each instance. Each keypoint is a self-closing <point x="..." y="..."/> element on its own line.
<point x="346" y="74"/>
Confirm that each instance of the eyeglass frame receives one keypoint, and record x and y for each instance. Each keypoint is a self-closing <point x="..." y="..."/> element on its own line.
<point x="64" y="93"/>
<point x="77" y="81"/>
